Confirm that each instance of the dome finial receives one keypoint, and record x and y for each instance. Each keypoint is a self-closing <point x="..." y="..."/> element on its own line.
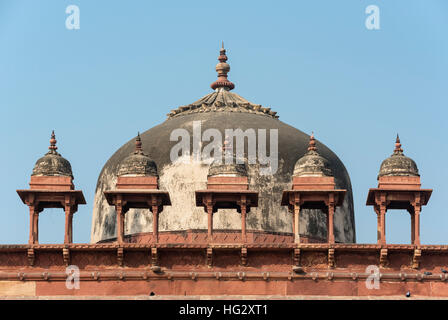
<point x="312" y="143"/>
<point x="53" y="141"/>
<point x="138" y="144"/>
<point x="222" y="68"/>
<point x="226" y="144"/>
<point x="398" y="145"/>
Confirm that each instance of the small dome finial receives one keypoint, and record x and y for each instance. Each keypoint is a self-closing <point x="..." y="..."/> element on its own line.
<point x="53" y="141"/>
<point x="138" y="144"/>
<point x="226" y="144"/>
<point x="312" y="143"/>
<point x="398" y="145"/>
<point x="222" y="68"/>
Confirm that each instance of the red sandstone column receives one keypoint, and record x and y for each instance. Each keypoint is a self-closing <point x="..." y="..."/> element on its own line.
<point x="243" y="218"/>
<point x="412" y="227"/>
<point x="120" y="223"/>
<point x="68" y="226"/>
<point x="296" y="223"/>
<point x="36" y="226"/>
<point x="378" y="224"/>
<point x="417" y="225"/>
<point x="210" y="221"/>
<point x="32" y="225"/>
<point x="383" y="224"/>
<point x="330" y="223"/>
<point x="155" y="223"/>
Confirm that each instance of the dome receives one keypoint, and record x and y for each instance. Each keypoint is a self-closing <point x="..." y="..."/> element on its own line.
<point x="312" y="164"/>
<point x="398" y="164"/>
<point x="219" y="168"/>
<point x="219" y="111"/>
<point x="52" y="163"/>
<point x="137" y="164"/>
<point x="232" y="169"/>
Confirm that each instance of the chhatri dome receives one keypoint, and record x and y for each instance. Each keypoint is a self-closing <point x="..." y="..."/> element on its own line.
<point x="223" y="168"/>
<point x="220" y="110"/>
<point x="137" y="163"/>
<point x="398" y="164"/>
<point x="312" y="164"/>
<point x="52" y="163"/>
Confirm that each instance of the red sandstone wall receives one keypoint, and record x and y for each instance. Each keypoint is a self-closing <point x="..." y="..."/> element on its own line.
<point x="188" y="271"/>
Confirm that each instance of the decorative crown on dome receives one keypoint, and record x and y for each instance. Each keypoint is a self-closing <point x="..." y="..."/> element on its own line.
<point x="312" y="164"/>
<point x="222" y="100"/>
<point x="52" y="163"/>
<point x="137" y="164"/>
<point x="398" y="164"/>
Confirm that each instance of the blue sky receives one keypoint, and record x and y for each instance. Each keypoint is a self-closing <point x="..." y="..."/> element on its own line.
<point x="314" y="62"/>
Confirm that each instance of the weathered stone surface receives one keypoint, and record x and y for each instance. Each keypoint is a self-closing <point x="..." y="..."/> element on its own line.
<point x="182" y="179"/>
<point x="52" y="164"/>
<point x="398" y="165"/>
<point x="137" y="165"/>
<point x="222" y="100"/>
<point x="312" y="164"/>
<point x="234" y="168"/>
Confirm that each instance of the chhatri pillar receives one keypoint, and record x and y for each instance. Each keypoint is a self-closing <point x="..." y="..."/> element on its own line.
<point x="51" y="186"/>
<point x="227" y="188"/>
<point x="399" y="187"/>
<point x="137" y="188"/>
<point x="313" y="187"/>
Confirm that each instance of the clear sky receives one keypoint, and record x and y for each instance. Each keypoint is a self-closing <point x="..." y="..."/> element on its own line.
<point x="314" y="62"/>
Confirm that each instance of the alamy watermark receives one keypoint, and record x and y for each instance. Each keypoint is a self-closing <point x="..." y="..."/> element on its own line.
<point x="207" y="147"/>
<point x="373" y="280"/>
<point x="373" y="20"/>
<point x="72" y="281"/>
<point x="72" y="21"/>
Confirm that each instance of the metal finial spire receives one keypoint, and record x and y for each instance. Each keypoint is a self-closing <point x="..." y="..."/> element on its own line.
<point x="222" y="68"/>
<point x="226" y="144"/>
<point x="312" y="143"/>
<point x="138" y="145"/>
<point x="53" y="141"/>
<point x="398" y="145"/>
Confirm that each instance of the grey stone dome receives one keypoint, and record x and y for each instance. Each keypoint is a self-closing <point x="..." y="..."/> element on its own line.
<point x="137" y="164"/>
<point x="221" y="110"/>
<point x="312" y="164"/>
<point x="235" y="168"/>
<point x="52" y="163"/>
<point x="232" y="169"/>
<point x="398" y="164"/>
<point x="182" y="180"/>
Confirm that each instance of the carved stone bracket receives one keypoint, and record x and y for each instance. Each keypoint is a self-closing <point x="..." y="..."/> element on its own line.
<point x="331" y="262"/>
<point x="383" y="257"/>
<point x="416" y="258"/>
<point x="31" y="256"/>
<point x="296" y="257"/>
<point x="243" y="256"/>
<point x="66" y="256"/>
<point x="209" y="258"/>
<point x="120" y="256"/>
<point x="154" y="257"/>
